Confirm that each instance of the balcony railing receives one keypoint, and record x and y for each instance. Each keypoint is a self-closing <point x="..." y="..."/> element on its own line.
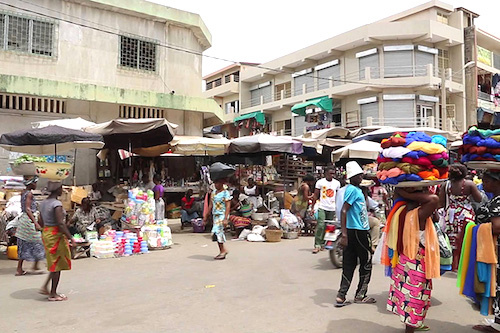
<point x="218" y="82"/>
<point x="452" y="124"/>
<point x="369" y="73"/>
<point x="484" y="96"/>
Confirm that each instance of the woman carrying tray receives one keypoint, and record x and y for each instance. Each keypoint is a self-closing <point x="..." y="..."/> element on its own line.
<point x="455" y="197"/>
<point x="490" y="213"/>
<point x="414" y="256"/>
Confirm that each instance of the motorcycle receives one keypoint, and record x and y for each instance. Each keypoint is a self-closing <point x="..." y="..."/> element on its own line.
<point x="332" y="237"/>
<point x="333" y="232"/>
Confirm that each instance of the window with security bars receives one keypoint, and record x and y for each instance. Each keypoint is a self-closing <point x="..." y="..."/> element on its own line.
<point x="140" y="112"/>
<point x="137" y="54"/>
<point x="26" y="35"/>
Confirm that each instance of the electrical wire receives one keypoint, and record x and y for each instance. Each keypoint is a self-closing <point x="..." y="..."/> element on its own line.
<point x="193" y="52"/>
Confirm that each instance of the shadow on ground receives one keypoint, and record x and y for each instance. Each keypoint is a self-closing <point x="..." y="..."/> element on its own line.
<point x="325" y="264"/>
<point x="369" y="326"/>
<point x="201" y="257"/>
<point x="28" y="294"/>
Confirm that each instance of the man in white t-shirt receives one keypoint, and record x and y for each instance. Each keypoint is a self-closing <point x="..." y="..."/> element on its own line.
<point x="325" y="192"/>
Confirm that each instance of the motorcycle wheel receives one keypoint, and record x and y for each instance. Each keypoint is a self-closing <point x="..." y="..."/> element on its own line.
<point x="336" y="255"/>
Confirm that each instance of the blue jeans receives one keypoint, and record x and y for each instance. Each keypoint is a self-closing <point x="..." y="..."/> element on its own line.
<point x="185" y="217"/>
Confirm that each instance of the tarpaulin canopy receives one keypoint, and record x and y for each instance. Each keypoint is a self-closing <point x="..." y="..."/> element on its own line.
<point x="258" y="115"/>
<point x="193" y="145"/>
<point x="135" y="133"/>
<point x="324" y="103"/>
<point x="72" y="123"/>
<point x="339" y="132"/>
<point x="386" y="132"/>
<point x="265" y="143"/>
<point x="49" y="140"/>
<point x="362" y="149"/>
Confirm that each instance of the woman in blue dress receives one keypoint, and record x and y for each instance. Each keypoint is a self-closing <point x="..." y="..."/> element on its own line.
<point x="220" y="205"/>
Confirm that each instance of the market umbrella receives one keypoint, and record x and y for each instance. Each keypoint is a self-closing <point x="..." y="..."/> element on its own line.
<point x="220" y="170"/>
<point x="386" y="132"/>
<point x="362" y="149"/>
<point x="71" y="123"/>
<point x="327" y="133"/>
<point x="193" y="145"/>
<point x="49" y="140"/>
<point x="265" y="143"/>
<point x="134" y="133"/>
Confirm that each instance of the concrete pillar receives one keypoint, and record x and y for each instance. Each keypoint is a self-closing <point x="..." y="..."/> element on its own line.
<point x="431" y="122"/>
<point x="368" y="73"/>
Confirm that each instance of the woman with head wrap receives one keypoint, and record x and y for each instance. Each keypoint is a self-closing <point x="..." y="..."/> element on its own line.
<point x="455" y="197"/>
<point x="56" y="237"/>
<point x="490" y="213"/>
<point x="29" y="238"/>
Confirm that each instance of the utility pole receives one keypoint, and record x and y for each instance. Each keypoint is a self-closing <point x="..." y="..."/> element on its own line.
<point x="443" y="100"/>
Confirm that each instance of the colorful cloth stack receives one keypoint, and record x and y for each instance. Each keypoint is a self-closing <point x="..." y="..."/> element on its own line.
<point x="413" y="156"/>
<point x="481" y="145"/>
<point x="476" y="276"/>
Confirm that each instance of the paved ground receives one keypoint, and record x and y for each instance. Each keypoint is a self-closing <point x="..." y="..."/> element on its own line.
<point x="260" y="287"/>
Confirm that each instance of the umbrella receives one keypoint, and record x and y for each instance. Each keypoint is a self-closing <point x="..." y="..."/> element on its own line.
<point x="265" y="143"/>
<point x="327" y="133"/>
<point x="72" y="123"/>
<point x="386" y="132"/>
<point x="143" y="133"/>
<point x="192" y="145"/>
<point x="362" y="149"/>
<point x="49" y="140"/>
<point x="220" y="170"/>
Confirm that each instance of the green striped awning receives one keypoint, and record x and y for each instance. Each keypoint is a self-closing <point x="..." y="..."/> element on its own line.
<point x="324" y="103"/>
<point x="258" y="115"/>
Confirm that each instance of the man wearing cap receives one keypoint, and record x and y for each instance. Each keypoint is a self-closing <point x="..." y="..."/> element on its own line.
<point x="325" y="192"/>
<point x="355" y="239"/>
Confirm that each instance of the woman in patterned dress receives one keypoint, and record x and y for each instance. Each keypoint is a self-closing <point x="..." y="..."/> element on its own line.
<point x="410" y="290"/>
<point x="455" y="196"/>
<point x="220" y="206"/>
<point x="490" y="213"/>
<point x="29" y="238"/>
<point x="56" y="237"/>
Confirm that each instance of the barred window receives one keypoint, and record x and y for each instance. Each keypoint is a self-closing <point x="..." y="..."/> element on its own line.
<point x="26" y="35"/>
<point x="138" y="54"/>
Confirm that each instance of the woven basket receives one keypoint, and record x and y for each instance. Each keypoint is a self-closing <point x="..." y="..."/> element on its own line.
<point x="274" y="235"/>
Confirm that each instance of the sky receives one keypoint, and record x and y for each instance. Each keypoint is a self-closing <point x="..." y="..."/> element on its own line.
<point x="263" y="30"/>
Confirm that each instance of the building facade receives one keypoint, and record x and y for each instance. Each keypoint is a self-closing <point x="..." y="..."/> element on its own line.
<point x="420" y="67"/>
<point x="100" y="60"/>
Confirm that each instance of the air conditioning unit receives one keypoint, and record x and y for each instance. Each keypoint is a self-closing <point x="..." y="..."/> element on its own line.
<point x="450" y="111"/>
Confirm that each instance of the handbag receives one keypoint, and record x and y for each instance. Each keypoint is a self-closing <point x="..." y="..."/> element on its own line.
<point x="445" y="251"/>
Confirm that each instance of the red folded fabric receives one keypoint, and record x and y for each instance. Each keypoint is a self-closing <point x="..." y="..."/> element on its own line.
<point x="382" y="159"/>
<point x="423" y="161"/>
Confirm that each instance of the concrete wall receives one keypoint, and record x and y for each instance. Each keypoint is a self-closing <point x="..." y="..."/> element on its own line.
<point x="86" y="55"/>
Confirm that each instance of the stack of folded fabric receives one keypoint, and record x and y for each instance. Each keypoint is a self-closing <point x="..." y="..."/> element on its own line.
<point x="481" y="145"/>
<point x="413" y="156"/>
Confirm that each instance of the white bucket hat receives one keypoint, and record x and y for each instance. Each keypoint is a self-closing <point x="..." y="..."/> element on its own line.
<point x="353" y="169"/>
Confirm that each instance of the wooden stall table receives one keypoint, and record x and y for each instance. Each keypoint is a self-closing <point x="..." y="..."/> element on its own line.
<point x="80" y="250"/>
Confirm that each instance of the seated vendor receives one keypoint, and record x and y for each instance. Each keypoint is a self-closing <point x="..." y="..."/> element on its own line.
<point x="95" y="195"/>
<point x="89" y="218"/>
<point x="241" y="211"/>
<point x="188" y="211"/>
<point x="252" y="191"/>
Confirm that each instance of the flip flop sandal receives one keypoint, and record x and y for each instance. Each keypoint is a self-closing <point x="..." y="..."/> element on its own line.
<point x="342" y="304"/>
<point x="366" y="300"/>
<point x="23" y="273"/>
<point x="58" y="298"/>
<point x="422" y="328"/>
<point x="484" y="328"/>
<point x="220" y="257"/>
<point x="315" y="251"/>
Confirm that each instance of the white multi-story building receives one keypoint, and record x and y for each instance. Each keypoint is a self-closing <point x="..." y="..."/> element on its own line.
<point x="405" y="70"/>
<point x="100" y="60"/>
